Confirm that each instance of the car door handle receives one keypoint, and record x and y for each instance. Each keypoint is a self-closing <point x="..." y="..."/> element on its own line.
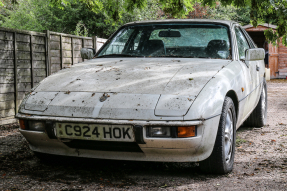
<point x="257" y="68"/>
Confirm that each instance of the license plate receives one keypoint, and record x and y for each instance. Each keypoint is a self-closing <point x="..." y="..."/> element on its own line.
<point x="97" y="132"/>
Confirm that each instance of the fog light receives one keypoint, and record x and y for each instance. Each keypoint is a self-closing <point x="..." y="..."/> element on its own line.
<point x="159" y="131"/>
<point x="36" y="125"/>
<point x="189" y="131"/>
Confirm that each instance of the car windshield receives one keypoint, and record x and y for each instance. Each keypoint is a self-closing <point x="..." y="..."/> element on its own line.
<point x="170" y="40"/>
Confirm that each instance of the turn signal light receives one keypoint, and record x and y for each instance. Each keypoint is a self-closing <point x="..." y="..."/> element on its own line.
<point x="22" y="124"/>
<point x="189" y="131"/>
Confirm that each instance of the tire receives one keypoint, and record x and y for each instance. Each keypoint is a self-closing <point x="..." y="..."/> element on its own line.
<point x="222" y="157"/>
<point x="259" y="115"/>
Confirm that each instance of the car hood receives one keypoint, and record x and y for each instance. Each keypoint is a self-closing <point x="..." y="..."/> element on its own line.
<point x="124" y="88"/>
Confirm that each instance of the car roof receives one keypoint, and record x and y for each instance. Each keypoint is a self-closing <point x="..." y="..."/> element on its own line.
<point x="229" y="23"/>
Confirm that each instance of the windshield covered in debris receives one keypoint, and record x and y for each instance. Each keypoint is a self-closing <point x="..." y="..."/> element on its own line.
<point x="170" y="40"/>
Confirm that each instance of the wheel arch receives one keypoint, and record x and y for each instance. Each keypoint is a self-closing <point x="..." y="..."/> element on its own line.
<point x="232" y="94"/>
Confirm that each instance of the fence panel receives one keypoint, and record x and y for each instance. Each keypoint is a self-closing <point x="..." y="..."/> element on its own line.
<point x="7" y="91"/>
<point x="21" y="57"/>
<point x="27" y="57"/>
<point x="65" y="49"/>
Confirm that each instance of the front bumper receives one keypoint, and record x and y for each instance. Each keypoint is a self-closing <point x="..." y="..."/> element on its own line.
<point x="192" y="149"/>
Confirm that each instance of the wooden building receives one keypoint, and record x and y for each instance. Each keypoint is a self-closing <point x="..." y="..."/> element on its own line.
<point x="277" y="55"/>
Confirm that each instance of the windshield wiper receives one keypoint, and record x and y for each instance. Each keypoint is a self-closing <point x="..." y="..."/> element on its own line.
<point x="118" y="55"/>
<point x="169" y="56"/>
<point x="178" y="56"/>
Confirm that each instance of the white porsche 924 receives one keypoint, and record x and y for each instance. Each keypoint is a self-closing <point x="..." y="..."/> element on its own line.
<point x="168" y="90"/>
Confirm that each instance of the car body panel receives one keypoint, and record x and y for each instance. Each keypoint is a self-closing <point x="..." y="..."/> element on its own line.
<point x="154" y="88"/>
<point x="166" y="149"/>
<point x="210" y="100"/>
<point x="229" y="23"/>
<point x="135" y="75"/>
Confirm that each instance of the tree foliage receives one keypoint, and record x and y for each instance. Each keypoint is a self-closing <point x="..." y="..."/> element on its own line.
<point x="270" y="11"/>
<point x="74" y="17"/>
<point x="116" y="8"/>
<point x="31" y="15"/>
<point x="273" y="11"/>
<point x="230" y="12"/>
<point x="102" y="17"/>
<point x="5" y="7"/>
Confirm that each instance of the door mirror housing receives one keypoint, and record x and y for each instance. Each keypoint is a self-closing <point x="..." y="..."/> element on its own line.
<point x="254" y="54"/>
<point x="88" y="53"/>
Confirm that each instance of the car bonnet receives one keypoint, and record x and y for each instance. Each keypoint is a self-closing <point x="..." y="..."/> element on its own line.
<point x="124" y="88"/>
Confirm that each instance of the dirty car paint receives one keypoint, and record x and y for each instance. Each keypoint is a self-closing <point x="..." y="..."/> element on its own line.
<point x="138" y="89"/>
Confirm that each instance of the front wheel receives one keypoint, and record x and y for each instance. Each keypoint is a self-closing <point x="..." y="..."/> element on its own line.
<point x="222" y="157"/>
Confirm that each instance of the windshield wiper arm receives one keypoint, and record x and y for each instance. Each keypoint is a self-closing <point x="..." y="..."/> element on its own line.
<point x="171" y="56"/>
<point x="118" y="55"/>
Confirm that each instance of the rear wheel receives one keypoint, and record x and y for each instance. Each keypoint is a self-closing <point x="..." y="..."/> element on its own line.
<point x="222" y="157"/>
<point x="259" y="115"/>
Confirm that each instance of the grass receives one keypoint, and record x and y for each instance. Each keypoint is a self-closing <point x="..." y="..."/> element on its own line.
<point x="239" y="141"/>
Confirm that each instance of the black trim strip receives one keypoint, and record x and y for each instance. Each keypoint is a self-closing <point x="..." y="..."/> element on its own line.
<point x="212" y="117"/>
<point x="49" y="127"/>
<point x="251" y="92"/>
<point x="138" y="131"/>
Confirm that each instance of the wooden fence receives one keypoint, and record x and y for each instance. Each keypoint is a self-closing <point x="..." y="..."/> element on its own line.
<point x="27" y="57"/>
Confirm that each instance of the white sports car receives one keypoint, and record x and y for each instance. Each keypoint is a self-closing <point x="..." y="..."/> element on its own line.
<point x="168" y="90"/>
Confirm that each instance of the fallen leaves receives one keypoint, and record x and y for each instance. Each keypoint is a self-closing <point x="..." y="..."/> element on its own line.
<point x="252" y="174"/>
<point x="104" y="97"/>
<point x="164" y="186"/>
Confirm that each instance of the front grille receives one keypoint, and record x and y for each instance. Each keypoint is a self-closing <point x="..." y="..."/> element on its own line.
<point x="104" y="145"/>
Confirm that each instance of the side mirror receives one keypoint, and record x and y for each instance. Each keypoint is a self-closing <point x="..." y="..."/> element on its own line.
<point x="88" y="53"/>
<point x="254" y="54"/>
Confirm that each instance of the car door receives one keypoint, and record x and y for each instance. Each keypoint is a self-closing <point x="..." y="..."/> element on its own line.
<point x="259" y="67"/>
<point x="260" y="63"/>
<point x="250" y="72"/>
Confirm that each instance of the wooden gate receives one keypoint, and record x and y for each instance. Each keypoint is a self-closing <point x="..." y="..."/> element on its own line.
<point x="277" y="55"/>
<point x="273" y="60"/>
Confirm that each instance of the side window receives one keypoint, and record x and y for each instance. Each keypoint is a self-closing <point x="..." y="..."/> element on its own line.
<point x="118" y="43"/>
<point x="249" y="39"/>
<point x="137" y="40"/>
<point x="241" y="43"/>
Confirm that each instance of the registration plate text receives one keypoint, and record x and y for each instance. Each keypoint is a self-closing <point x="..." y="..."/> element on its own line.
<point x="95" y="132"/>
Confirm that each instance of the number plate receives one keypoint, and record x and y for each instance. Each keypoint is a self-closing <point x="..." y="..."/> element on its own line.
<point x="95" y="132"/>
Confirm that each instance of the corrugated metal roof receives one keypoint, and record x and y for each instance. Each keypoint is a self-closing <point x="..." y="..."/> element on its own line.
<point x="265" y="25"/>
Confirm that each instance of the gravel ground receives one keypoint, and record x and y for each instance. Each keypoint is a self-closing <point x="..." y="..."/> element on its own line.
<point x="260" y="162"/>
